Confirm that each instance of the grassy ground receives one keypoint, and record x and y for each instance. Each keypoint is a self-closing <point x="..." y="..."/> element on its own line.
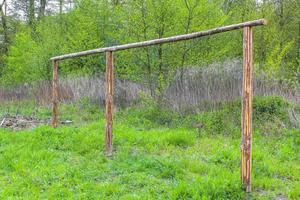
<point x="153" y="159"/>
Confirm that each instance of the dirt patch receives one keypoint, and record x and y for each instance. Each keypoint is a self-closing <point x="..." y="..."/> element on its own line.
<point x="20" y="122"/>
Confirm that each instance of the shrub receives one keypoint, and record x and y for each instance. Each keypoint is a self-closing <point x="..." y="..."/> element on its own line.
<point x="268" y="107"/>
<point x="149" y="113"/>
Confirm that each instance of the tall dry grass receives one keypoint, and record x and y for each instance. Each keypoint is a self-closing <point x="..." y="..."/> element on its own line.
<point x="220" y="82"/>
<point x="192" y="86"/>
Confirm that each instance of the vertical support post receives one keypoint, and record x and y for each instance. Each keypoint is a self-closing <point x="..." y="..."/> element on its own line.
<point x="55" y="94"/>
<point x="109" y="103"/>
<point x="246" y="144"/>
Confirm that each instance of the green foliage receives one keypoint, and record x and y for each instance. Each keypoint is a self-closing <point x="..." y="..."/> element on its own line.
<point x="270" y="106"/>
<point x="93" y="24"/>
<point x="276" y="58"/>
<point x="223" y="121"/>
<point x="270" y="116"/>
<point x="19" y="67"/>
<point x="149" y="114"/>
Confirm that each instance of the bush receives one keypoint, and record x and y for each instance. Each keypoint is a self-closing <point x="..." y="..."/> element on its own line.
<point x="270" y="115"/>
<point x="149" y="113"/>
<point x="268" y="107"/>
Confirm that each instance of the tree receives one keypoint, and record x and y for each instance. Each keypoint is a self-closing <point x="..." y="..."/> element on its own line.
<point x="4" y="26"/>
<point x="42" y="8"/>
<point x="91" y="24"/>
<point x="31" y="13"/>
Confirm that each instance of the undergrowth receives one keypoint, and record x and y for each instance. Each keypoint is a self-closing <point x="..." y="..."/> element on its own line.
<point x="270" y="116"/>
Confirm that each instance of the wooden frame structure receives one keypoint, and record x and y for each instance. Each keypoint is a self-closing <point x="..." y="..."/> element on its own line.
<point x="246" y="119"/>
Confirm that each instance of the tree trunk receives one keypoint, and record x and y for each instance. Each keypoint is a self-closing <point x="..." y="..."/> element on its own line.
<point x="30" y="12"/>
<point x="298" y="52"/>
<point x="160" y="32"/>
<point x="4" y="26"/>
<point x="148" y="62"/>
<point x="42" y="8"/>
<point x="61" y="3"/>
<point x="262" y="44"/>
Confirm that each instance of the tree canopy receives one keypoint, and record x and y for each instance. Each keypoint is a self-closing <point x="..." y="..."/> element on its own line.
<point x="35" y="30"/>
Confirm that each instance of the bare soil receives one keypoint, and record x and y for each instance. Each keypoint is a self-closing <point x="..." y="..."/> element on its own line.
<point x="19" y="122"/>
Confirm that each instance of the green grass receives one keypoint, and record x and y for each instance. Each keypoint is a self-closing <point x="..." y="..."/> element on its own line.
<point x="150" y="161"/>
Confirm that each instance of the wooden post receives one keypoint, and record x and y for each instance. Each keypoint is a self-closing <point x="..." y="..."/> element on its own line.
<point x="246" y="145"/>
<point x="177" y="38"/>
<point x="55" y="94"/>
<point x="109" y="103"/>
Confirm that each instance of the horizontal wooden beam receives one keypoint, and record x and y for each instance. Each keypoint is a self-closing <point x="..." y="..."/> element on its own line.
<point x="177" y="38"/>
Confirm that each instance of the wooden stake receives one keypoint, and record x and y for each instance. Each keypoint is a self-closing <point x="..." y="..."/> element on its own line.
<point x="55" y="94"/>
<point x="109" y="103"/>
<point x="246" y="145"/>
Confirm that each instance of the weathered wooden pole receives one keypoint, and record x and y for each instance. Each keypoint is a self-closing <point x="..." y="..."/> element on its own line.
<point x="177" y="38"/>
<point x="55" y="94"/>
<point x="246" y="145"/>
<point x="109" y="103"/>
